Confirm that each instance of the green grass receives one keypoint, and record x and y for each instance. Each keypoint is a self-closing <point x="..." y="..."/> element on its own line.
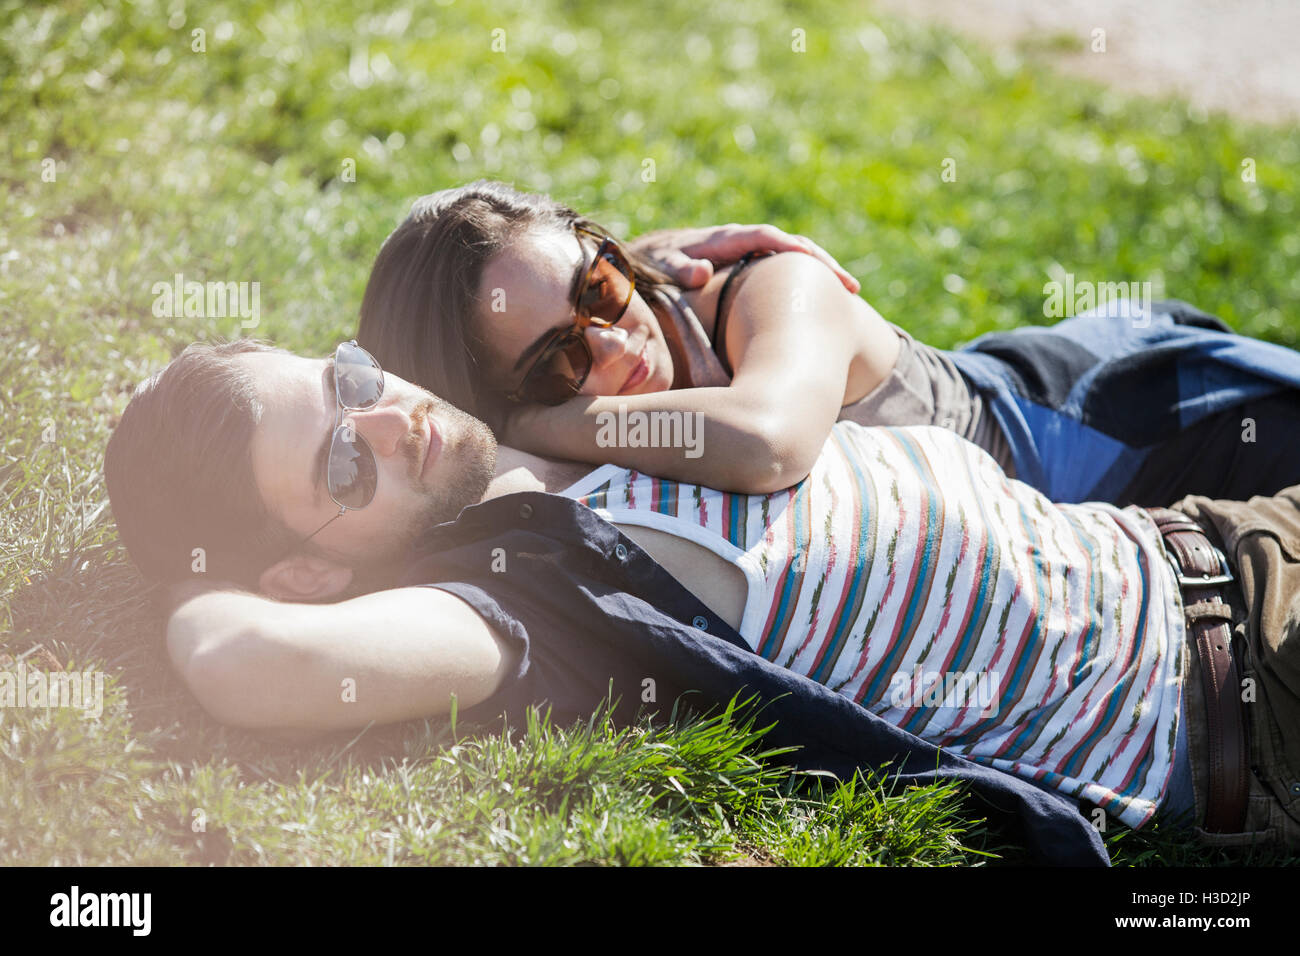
<point x="225" y="165"/>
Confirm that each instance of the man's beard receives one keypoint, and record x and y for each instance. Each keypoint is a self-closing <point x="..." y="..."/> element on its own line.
<point x="467" y="462"/>
<point x="466" y="466"/>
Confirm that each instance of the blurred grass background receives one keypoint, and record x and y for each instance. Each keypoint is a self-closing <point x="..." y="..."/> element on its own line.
<point x="228" y="165"/>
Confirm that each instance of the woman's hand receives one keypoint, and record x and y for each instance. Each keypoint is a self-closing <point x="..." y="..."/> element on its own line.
<point x="688" y="255"/>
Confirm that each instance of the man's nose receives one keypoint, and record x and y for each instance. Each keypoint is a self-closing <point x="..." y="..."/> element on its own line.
<point x="383" y="427"/>
<point x="607" y="344"/>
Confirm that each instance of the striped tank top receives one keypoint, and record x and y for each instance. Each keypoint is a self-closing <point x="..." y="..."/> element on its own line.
<point x="909" y="573"/>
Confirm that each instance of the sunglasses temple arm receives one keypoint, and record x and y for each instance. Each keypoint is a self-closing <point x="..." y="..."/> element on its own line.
<point x="324" y="526"/>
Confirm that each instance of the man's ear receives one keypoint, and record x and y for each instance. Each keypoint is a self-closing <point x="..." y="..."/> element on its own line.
<point x="304" y="578"/>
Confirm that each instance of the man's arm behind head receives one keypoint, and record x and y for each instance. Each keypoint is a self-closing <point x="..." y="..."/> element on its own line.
<point x="384" y="657"/>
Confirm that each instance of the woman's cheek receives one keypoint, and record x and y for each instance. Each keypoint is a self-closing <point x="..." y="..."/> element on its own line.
<point x="598" y="384"/>
<point x="661" y="376"/>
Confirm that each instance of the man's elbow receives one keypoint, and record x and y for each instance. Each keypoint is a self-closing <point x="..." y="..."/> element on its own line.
<point x="234" y="681"/>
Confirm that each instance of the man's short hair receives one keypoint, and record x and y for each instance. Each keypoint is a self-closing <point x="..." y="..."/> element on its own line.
<point x="179" y="471"/>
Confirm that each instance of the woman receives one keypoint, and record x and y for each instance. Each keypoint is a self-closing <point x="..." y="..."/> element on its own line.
<point x="530" y="316"/>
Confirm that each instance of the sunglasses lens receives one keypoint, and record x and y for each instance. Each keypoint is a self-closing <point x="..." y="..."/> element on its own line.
<point x="609" y="286"/>
<point x="565" y="364"/>
<point x="352" y="473"/>
<point x="360" y="380"/>
<point x="560" y="373"/>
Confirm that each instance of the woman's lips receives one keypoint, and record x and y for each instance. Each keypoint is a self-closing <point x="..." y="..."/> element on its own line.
<point x="639" y="374"/>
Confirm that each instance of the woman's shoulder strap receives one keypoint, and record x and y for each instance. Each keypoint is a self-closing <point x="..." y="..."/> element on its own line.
<point x="720" y="319"/>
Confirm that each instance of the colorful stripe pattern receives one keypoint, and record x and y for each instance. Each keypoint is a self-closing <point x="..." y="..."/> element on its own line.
<point x="908" y="573"/>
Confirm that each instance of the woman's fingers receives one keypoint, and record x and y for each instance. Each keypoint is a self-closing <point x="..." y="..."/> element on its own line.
<point x="686" y="271"/>
<point x="688" y="255"/>
<point x="665" y="249"/>
<point x="738" y="240"/>
<point x="850" y="283"/>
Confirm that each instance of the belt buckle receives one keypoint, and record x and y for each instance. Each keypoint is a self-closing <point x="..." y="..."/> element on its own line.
<point x="1205" y="580"/>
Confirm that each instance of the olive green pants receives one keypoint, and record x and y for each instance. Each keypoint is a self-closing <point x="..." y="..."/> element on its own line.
<point x="1261" y="538"/>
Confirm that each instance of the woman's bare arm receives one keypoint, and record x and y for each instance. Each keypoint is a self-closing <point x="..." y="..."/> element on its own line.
<point x="792" y="338"/>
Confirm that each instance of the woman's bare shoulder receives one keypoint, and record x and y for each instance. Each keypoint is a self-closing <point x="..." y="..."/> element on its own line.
<point x="780" y="295"/>
<point x="786" y="284"/>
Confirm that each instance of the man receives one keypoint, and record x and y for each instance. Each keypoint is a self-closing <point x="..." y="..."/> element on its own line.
<point x="327" y="491"/>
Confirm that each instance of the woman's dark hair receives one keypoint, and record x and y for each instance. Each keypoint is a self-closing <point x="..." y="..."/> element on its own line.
<point x="421" y="311"/>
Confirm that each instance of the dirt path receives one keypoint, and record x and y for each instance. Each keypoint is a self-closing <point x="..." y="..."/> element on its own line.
<point x="1240" y="56"/>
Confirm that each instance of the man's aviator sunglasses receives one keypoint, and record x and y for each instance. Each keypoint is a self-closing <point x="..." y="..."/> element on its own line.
<point x="601" y="299"/>
<point x="351" y="473"/>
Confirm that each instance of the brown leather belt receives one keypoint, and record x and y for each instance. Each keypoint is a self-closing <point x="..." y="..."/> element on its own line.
<point x="1204" y="575"/>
